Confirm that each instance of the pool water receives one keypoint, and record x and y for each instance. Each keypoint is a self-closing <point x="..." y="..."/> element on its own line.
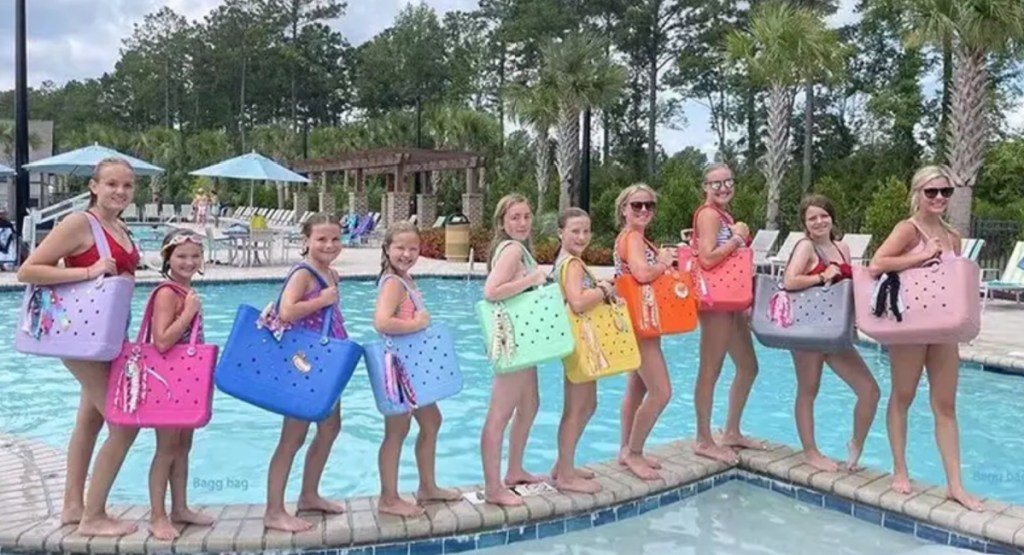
<point x="733" y="519"/>
<point x="148" y="237"/>
<point x="230" y="456"/>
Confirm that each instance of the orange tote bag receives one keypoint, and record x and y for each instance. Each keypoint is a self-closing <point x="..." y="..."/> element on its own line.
<point x="665" y="306"/>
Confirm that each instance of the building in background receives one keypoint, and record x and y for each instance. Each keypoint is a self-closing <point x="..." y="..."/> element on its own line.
<point x="40" y="146"/>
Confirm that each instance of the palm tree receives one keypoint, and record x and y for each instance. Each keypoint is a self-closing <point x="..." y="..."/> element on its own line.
<point x="161" y="146"/>
<point x="785" y="47"/>
<point x="582" y="77"/>
<point x="536" y="107"/>
<point x="976" y="29"/>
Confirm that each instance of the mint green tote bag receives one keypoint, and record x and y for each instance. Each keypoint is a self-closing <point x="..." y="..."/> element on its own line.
<point x="527" y="329"/>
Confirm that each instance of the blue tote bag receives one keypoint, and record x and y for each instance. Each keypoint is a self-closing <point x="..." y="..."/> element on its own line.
<point x="413" y="370"/>
<point x="300" y="373"/>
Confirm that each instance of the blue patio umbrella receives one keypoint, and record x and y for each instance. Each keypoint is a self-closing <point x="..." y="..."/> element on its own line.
<point x="252" y="166"/>
<point x="4" y="170"/>
<point x="82" y="161"/>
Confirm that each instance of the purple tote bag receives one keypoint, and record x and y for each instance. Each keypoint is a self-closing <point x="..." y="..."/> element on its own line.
<point x="85" y="320"/>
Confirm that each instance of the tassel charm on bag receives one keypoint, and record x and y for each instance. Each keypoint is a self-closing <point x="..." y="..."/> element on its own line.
<point x="595" y="356"/>
<point x="503" y="342"/>
<point x="649" y="309"/>
<point x="780" y="310"/>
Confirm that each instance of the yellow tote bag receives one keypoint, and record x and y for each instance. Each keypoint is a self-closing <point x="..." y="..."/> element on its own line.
<point x="604" y="341"/>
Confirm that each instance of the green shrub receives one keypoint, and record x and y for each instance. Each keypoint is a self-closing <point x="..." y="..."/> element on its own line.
<point x="845" y="216"/>
<point x="888" y="206"/>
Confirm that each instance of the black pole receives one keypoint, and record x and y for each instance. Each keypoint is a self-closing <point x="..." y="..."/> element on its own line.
<point x="21" y="189"/>
<point x="585" y="163"/>
<point x="305" y="138"/>
<point x="417" y="186"/>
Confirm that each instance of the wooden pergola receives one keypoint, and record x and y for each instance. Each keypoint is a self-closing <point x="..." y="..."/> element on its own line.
<point x="399" y="166"/>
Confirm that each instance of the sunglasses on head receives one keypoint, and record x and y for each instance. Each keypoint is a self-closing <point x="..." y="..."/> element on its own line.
<point x="946" y="192"/>
<point x="719" y="185"/>
<point x="648" y="205"/>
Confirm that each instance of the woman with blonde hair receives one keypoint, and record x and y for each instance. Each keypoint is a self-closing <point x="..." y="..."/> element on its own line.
<point x="924" y="237"/>
<point x="648" y="390"/>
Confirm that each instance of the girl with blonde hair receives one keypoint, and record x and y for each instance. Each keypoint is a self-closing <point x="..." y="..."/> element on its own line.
<point x="924" y="237"/>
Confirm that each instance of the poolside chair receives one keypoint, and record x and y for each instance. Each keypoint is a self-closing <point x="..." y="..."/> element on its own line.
<point x="858" y="243"/>
<point x="781" y="258"/>
<point x="439" y="222"/>
<point x="185" y="213"/>
<point x="763" y="242"/>
<point x="357" y="234"/>
<point x="1011" y="280"/>
<point x="167" y="213"/>
<point x="131" y="213"/>
<point x="150" y="212"/>
<point x="971" y="248"/>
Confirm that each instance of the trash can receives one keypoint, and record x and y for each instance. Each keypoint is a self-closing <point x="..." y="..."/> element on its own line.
<point x="456" y="238"/>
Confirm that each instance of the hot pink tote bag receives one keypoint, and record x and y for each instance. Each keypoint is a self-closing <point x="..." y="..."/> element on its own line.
<point x="727" y="287"/>
<point x="174" y="389"/>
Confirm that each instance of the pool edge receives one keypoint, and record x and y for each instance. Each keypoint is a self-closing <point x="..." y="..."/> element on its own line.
<point x="456" y="527"/>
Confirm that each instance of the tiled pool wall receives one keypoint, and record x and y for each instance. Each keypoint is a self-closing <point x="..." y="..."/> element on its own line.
<point x="574" y="522"/>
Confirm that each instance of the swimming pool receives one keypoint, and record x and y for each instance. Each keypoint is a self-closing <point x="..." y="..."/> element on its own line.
<point x="148" y="236"/>
<point x="230" y="456"/>
<point x="737" y="519"/>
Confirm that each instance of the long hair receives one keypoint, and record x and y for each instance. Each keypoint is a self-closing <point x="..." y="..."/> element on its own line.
<point x="395" y="229"/>
<point x="924" y="176"/>
<point x="620" y="201"/>
<point x="823" y="202"/>
<point x="498" y="223"/>
<point x="563" y="218"/>
<point x="319" y="218"/>
<point x="97" y="172"/>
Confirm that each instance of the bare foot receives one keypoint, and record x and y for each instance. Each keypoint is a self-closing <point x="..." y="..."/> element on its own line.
<point x="399" y="507"/>
<point x="436" y="494"/>
<point x="285" y="522"/>
<point x="162" y="529"/>
<point x="578" y="485"/>
<point x="821" y="462"/>
<point x="106" y="526"/>
<point x="503" y="497"/>
<point x="853" y="457"/>
<point x="650" y="461"/>
<point x="967" y="500"/>
<point x="717" y="452"/>
<point x="188" y="516"/>
<point x="70" y="515"/>
<point x="733" y="439"/>
<point x="900" y="484"/>
<point x="636" y="464"/>
<point x="521" y="477"/>
<point x="319" y="504"/>
<point x="579" y="472"/>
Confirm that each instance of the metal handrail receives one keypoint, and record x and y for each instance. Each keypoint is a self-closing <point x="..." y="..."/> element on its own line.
<point x="35" y="217"/>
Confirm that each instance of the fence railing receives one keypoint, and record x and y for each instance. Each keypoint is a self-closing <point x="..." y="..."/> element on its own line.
<point x="1000" y="238"/>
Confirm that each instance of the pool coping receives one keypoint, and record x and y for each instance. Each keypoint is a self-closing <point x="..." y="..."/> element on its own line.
<point x="462" y="526"/>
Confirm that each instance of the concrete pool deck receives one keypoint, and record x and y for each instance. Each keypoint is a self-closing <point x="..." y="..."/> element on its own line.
<point x="31" y="490"/>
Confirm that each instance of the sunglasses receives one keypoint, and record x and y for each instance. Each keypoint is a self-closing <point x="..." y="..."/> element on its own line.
<point x="946" y="192"/>
<point x="719" y="185"/>
<point x="648" y="205"/>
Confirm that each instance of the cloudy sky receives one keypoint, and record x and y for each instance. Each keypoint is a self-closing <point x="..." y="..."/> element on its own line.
<point x="76" y="39"/>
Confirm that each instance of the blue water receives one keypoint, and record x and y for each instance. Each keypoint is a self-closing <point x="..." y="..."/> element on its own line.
<point x="230" y="456"/>
<point x="148" y="237"/>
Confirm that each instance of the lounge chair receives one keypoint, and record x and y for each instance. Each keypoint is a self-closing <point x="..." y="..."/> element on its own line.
<point x="1011" y="280"/>
<point x="150" y="212"/>
<point x="763" y="242"/>
<point x="167" y="213"/>
<point x="185" y="213"/>
<point x="439" y="222"/>
<point x="858" y="243"/>
<point x="971" y="248"/>
<point x="781" y="258"/>
<point x="131" y="213"/>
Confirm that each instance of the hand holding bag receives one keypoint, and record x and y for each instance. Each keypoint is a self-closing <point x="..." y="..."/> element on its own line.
<point x="150" y="389"/>
<point x="819" y="318"/>
<point x="604" y="339"/>
<point x="665" y="306"/>
<point x="412" y="370"/>
<point x="295" y="372"/>
<point x="527" y="329"/>
<point x="85" y="320"/>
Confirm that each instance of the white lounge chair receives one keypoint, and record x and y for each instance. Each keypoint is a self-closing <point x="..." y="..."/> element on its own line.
<point x="858" y="243"/>
<point x="762" y="245"/>
<point x="167" y="213"/>
<point x="150" y="212"/>
<point x="781" y="258"/>
<point x="131" y="213"/>
<point x="971" y="248"/>
<point x="185" y="213"/>
<point x="1011" y="280"/>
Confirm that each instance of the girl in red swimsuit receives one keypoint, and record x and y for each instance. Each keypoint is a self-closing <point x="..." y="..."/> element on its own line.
<point x="819" y="259"/>
<point x="111" y="189"/>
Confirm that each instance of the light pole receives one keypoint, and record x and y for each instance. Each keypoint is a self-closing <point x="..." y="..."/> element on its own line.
<point x="21" y="189"/>
<point x="585" y="164"/>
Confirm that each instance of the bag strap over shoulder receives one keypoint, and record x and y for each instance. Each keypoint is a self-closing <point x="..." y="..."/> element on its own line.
<point x="145" y="329"/>
<point x="408" y="289"/>
<point x="326" y="329"/>
<point x="563" y="269"/>
<point x="98" y="235"/>
<point x="527" y="257"/>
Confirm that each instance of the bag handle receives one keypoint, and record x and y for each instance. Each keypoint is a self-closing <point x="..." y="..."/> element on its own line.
<point x="145" y="330"/>
<point x="528" y="260"/>
<point x="326" y="328"/>
<point x="408" y="290"/>
<point x="98" y="235"/>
